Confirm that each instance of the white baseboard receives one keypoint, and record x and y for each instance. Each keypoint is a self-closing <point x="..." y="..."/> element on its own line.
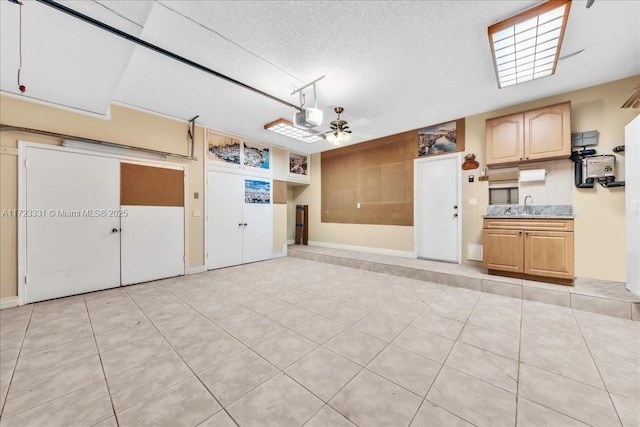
<point x="281" y="254"/>
<point x="9" y="302"/>
<point x="197" y="269"/>
<point x="291" y="242"/>
<point x="366" y="249"/>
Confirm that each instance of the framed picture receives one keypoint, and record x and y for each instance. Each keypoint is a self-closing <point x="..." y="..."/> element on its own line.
<point x="257" y="191"/>
<point x="226" y="151"/>
<point x="441" y="138"/>
<point x="223" y="149"/>
<point x="298" y="166"/>
<point x="256" y="156"/>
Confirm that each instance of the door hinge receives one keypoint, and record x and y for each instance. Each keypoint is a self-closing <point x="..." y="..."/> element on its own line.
<point x="26" y="163"/>
<point x="184" y="258"/>
<point x="25" y="280"/>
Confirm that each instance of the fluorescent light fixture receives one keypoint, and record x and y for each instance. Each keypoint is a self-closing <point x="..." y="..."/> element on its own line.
<point x="286" y="128"/>
<point x="526" y="46"/>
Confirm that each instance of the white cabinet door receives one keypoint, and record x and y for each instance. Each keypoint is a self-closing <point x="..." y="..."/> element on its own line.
<point x="238" y="228"/>
<point x="256" y="238"/>
<point x="437" y="212"/>
<point x="152" y="243"/>
<point x="74" y="246"/>
<point x="225" y="195"/>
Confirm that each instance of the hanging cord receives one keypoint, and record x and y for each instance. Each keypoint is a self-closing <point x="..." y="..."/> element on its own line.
<point x="22" y="87"/>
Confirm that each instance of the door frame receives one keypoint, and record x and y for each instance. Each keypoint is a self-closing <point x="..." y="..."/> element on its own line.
<point x="417" y="225"/>
<point x="22" y="197"/>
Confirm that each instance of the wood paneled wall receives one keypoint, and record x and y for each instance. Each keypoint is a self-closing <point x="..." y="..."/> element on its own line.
<point x="378" y="174"/>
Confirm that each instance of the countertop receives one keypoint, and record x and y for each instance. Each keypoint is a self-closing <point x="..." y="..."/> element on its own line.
<point x="536" y="212"/>
<point x="530" y="216"/>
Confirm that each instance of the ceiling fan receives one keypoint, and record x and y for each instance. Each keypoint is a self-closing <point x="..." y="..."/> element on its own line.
<point x="339" y="128"/>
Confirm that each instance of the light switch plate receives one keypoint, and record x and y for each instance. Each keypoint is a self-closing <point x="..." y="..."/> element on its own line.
<point x="196" y="212"/>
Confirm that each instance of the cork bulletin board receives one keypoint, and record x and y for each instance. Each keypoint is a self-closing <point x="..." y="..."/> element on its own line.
<point x="151" y="186"/>
<point x="376" y="175"/>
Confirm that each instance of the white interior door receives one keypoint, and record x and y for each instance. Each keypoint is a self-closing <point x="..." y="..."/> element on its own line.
<point x="256" y="239"/>
<point x="152" y="243"/>
<point x="437" y="207"/>
<point x="225" y="193"/>
<point x="74" y="246"/>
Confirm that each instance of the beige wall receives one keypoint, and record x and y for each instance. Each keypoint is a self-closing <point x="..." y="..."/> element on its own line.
<point x="600" y="231"/>
<point x="279" y="168"/>
<point x="126" y="126"/>
<point x="600" y="223"/>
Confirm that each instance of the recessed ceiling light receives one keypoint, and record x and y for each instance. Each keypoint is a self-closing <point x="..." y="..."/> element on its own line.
<point x="526" y="46"/>
<point x="286" y="128"/>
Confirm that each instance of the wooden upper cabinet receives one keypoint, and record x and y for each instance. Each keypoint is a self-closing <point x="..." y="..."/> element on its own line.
<point x="541" y="134"/>
<point x="548" y="132"/>
<point x="504" y="137"/>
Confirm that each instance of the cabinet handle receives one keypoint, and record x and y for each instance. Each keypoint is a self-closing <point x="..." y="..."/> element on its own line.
<point x="520" y="158"/>
<point x="527" y="158"/>
<point x="520" y="233"/>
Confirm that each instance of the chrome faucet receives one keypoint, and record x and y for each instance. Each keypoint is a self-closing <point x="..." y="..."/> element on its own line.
<point x="527" y="209"/>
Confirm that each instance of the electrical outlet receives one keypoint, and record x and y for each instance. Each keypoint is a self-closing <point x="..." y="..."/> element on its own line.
<point x="196" y="212"/>
<point x="473" y="202"/>
<point x="358" y="205"/>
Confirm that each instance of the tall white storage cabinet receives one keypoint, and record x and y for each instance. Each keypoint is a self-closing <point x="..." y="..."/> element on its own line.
<point x="632" y="202"/>
<point x="238" y="224"/>
<point x="90" y="221"/>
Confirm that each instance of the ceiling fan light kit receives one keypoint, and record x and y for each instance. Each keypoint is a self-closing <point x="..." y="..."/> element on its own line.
<point x="339" y="132"/>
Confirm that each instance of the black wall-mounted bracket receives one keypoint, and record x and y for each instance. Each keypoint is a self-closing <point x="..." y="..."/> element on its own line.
<point x="192" y="132"/>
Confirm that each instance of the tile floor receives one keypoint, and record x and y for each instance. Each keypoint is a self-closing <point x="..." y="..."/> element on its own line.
<point x="291" y="342"/>
<point x="597" y="296"/>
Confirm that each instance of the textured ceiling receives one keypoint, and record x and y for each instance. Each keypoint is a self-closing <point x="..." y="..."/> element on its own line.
<point x="392" y="65"/>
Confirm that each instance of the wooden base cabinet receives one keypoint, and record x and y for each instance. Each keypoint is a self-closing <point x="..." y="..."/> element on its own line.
<point x="549" y="254"/>
<point x="536" y="247"/>
<point x="503" y="250"/>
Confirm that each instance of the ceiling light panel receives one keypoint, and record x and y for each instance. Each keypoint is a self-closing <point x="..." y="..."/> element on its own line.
<point x="286" y="128"/>
<point x="527" y="46"/>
